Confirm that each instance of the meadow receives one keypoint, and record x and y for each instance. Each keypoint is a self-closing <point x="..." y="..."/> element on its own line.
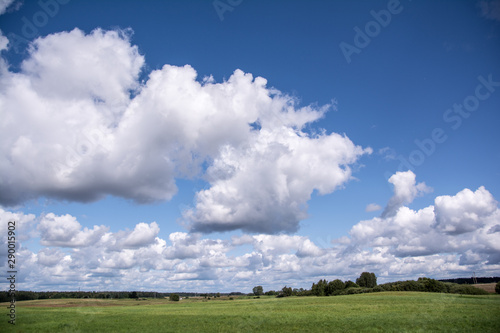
<point x="375" y="312"/>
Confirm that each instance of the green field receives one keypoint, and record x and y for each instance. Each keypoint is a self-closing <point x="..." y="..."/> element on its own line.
<point x="376" y="312"/>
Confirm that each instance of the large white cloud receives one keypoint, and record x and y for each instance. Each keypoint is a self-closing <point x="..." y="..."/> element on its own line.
<point x="265" y="186"/>
<point x="78" y="125"/>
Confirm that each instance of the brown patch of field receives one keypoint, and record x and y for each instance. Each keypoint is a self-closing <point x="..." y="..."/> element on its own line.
<point x="72" y="302"/>
<point x="489" y="287"/>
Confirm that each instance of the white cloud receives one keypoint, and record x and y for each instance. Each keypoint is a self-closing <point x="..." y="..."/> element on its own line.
<point x="4" y="4"/>
<point x="265" y="186"/>
<point x="372" y="207"/>
<point x="405" y="190"/>
<point x="142" y="235"/>
<point x="464" y="212"/>
<point x="78" y="125"/>
<point x="66" y="231"/>
<point x="406" y="245"/>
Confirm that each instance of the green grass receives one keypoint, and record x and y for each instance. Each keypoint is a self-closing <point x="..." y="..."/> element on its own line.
<point x="377" y="312"/>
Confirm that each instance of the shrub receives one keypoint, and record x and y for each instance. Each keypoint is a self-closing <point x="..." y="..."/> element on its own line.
<point x="174" y="297"/>
<point x="350" y="284"/>
<point x="466" y="289"/>
<point x="497" y="288"/>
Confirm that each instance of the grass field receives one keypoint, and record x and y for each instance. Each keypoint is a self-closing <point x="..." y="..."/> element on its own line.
<point x="377" y="312"/>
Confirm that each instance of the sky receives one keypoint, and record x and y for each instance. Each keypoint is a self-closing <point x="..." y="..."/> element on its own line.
<point x="219" y="145"/>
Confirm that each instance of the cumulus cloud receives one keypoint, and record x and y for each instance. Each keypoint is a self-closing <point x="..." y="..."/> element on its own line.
<point x="464" y="212"/>
<point x="66" y="231"/>
<point x="458" y="234"/>
<point x="265" y="186"/>
<point x="467" y="224"/>
<point x="78" y="125"/>
<point x="405" y="190"/>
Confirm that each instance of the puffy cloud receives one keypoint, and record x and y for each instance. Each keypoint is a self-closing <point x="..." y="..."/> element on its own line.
<point x="265" y="186"/>
<point x="466" y="224"/>
<point x="406" y="245"/>
<point x="59" y="113"/>
<point x="142" y="235"/>
<point x="464" y="212"/>
<point x="405" y="190"/>
<point x="82" y="126"/>
<point x="66" y="231"/>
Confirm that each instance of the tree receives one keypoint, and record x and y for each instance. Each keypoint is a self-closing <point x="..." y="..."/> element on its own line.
<point x="367" y="280"/>
<point x="174" y="297"/>
<point x="333" y="286"/>
<point x="287" y="291"/>
<point x="319" y="289"/>
<point x="350" y="284"/>
<point x="497" y="288"/>
<point x="258" y="290"/>
<point x="133" y="295"/>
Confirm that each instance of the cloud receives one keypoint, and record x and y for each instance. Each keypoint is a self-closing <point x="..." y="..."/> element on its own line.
<point x="265" y="186"/>
<point x="490" y="9"/>
<point x="66" y="231"/>
<point x="79" y="125"/>
<point x="60" y="112"/>
<point x="372" y="207"/>
<point x="464" y="212"/>
<point x="4" y="4"/>
<point x="466" y="224"/>
<point x="458" y="234"/>
<point x="405" y="190"/>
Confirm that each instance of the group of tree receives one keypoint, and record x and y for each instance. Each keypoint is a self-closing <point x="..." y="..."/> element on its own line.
<point x="335" y="287"/>
<point x="367" y="283"/>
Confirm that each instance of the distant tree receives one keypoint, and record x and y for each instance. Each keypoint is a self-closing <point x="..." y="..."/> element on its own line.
<point x="258" y="290"/>
<point x="287" y="291"/>
<point x="319" y="289"/>
<point x="333" y="286"/>
<point x="174" y="297"/>
<point x="367" y="280"/>
<point x="497" y="288"/>
<point x="133" y="295"/>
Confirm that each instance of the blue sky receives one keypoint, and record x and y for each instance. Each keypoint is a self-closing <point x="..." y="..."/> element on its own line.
<point x="360" y="160"/>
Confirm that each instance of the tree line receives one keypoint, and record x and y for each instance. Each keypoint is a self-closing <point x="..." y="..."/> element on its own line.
<point x="367" y="283"/>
